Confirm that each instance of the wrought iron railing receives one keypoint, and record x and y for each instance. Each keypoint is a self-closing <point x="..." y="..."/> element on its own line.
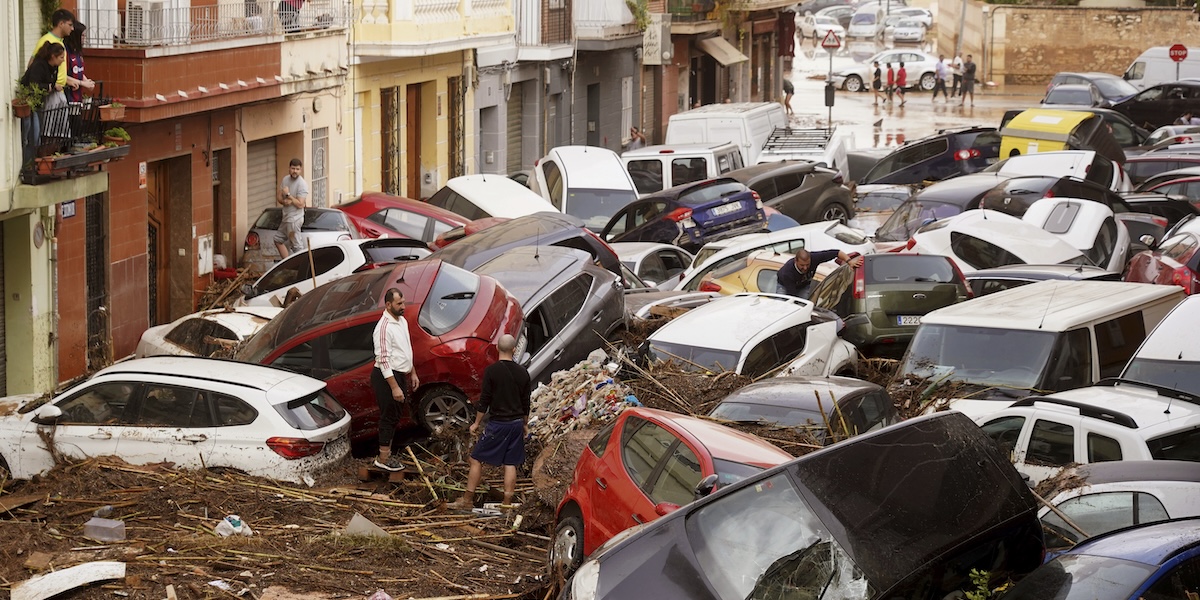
<point x="66" y="138"/>
<point x="690" y="10"/>
<point x="151" y="23"/>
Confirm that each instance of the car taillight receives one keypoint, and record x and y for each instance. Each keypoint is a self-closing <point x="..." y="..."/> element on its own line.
<point x="1160" y="221"/>
<point x="1184" y="278"/>
<point x="343" y="237"/>
<point x="679" y="214"/>
<point x="860" y="282"/>
<point x="757" y="199"/>
<point x="837" y="179"/>
<point x="966" y="153"/>
<point x="603" y="244"/>
<point x="1049" y="194"/>
<point x="912" y="241"/>
<point x="958" y="275"/>
<point x="709" y="286"/>
<point x="251" y="240"/>
<point x="293" y="448"/>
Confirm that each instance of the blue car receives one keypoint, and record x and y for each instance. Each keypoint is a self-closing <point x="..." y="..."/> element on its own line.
<point x="1151" y="562"/>
<point x="689" y="215"/>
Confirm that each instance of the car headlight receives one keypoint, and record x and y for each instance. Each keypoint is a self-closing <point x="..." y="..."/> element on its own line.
<point x="586" y="581"/>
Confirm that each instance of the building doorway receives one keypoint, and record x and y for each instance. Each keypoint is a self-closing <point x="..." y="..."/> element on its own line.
<point x="169" y="239"/>
<point x="99" y="344"/>
<point x="412" y="139"/>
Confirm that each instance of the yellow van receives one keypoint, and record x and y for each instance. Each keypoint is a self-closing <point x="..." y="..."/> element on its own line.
<point x="1049" y="130"/>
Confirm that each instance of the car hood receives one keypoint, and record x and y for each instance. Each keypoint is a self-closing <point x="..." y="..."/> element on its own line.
<point x="638" y="302"/>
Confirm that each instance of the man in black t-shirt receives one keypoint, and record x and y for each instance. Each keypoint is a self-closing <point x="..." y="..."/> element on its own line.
<point x="505" y="396"/>
<point x="795" y="276"/>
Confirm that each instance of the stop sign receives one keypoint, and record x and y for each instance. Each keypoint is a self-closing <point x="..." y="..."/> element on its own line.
<point x="1178" y="52"/>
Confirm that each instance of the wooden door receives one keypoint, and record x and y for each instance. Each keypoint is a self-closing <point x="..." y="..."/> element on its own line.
<point x="413" y="139"/>
<point x="158" y="241"/>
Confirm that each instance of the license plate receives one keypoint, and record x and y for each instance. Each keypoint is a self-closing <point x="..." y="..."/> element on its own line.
<point x="908" y="320"/>
<point x="725" y="209"/>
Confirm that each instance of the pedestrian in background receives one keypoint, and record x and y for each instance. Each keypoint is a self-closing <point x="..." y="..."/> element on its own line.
<point x="891" y="81"/>
<point x="505" y="396"/>
<point x="968" y="82"/>
<point x="901" y="82"/>
<point x="956" y="69"/>
<point x="788" y="90"/>
<point x="939" y="79"/>
<point x="77" y="80"/>
<point x="393" y="377"/>
<point x="877" y="83"/>
<point x="636" y="139"/>
<point x="293" y="193"/>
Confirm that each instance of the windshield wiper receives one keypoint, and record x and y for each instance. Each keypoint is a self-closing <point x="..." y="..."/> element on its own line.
<point x="459" y="296"/>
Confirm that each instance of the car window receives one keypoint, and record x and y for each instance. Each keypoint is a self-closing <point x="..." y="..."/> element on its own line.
<point x="167" y="406"/>
<point x="618" y="225"/>
<point x="449" y="301"/>
<point x="870" y="412"/>
<point x="1116" y="341"/>
<point x="1051" y="443"/>
<point x="204" y="337"/>
<point x="100" y="404"/>
<point x="652" y="268"/>
<point x="676" y="483"/>
<point x="673" y="262"/>
<point x="565" y="303"/>
<point x="647" y="175"/>
<point x="788" y="182"/>
<point x="1070" y="361"/>
<point x="1101" y="513"/>
<point x="909" y="268"/>
<point x="1184" y="445"/>
<point x="712" y="191"/>
<point x="385" y="253"/>
<point x="688" y="170"/>
<point x="351" y="347"/>
<point x="599" y="442"/>
<point x="981" y="254"/>
<point x="776" y="350"/>
<point x="311" y="412"/>
<point x="1102" y="448"/>
<point x="291" y="270"/>
<point x="643" y="445"/>
<point x="1101" y="171"/>
<point x="554" y="183"/>
<point x="405" y="223"/>
<point x="828" y="294"/>
<point x="1005" y="431"/>
<point x="299" y="358"/>
<point x="1180" y="582"/>
<point x="1106" y="243"/>
<point x="1150" y="95"/>
<point x="645" y="212"/>
<point x="1061" y="217"/>
<point x="187" y="335"/>
<point x="232" y="411"/>
<point x="767" y="281"/>
<point x="766" y="189"/>
<point x="906" y="157"/>
<point x="325" y="220"/>
<point x="1178" y="246"/>
<point x="1121" y="132"/>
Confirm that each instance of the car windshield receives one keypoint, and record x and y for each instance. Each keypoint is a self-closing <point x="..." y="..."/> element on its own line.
<point x="979" y="355"/>
<point x="595" y="206"/>
<point x="784" y="416"/>
<point x="909" y="217"/>
<point x="880" y="201"/>
<point x="1176" y="374"/>
<point x="1059" y="95"/>
<point x="863" y="19"/>
<point x="763" y="541"/>
<point x="1082" y="577"/>
<point x="449" y="301"/>
<point x="694" y="358"/>
<point x="314" y="220"/>
<point x="1114" y="87"/>
<point x="729" y="471"/>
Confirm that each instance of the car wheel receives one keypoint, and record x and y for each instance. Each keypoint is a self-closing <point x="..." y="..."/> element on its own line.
<point x="834" y="212"/>
<point x="927" y="81"/>
<point x="854" y="83"/>
<point x="566" y="551"/>
<point x="443" y="405"/>
<point x="5" y="474"/>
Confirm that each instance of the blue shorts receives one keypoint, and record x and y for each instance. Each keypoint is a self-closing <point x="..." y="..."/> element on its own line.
<point x="502" y="443"/>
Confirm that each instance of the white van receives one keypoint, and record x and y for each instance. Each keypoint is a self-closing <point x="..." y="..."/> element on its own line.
<point x="482" y="196"/>
<point x="1170" y="356"/>
<point x="747" y="124"/>
<point x="867" y="22"/>
<point x="1043" y="337"/>
<point x="1154" y="66"/>
<point x="656" y="168"/>
<point x="588" y="182"/>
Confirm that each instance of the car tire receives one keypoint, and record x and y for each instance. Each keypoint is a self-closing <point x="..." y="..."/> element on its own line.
<point x="928" y="80"/>
<point x="833" y="212"/>
<point x="443" y="405"/>
<point x="5" y="473"/>
<point x="566" y="549"/>
<point x="853" y="83"/>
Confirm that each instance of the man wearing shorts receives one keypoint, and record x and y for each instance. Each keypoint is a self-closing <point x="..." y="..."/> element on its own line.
<point x="968" y="83"/>
<point x="505" y="396"/>
<point x="293" y="193"/>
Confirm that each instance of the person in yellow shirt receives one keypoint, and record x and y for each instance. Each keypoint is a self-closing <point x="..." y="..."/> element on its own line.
<point x="62" y="23"/>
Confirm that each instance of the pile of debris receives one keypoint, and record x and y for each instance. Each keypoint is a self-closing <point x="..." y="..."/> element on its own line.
<point x="583" y="397"/>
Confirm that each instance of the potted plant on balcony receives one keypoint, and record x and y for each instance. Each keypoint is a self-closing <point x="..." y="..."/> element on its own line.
<point x="117" y="136"/>
<point x="113" y="111"/>
<point x="28" y="99"/>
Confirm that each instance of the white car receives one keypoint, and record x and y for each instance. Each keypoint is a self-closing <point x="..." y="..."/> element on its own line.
<point x="1119" y="421"/>
<point x="984" y="239"/>
<point x="1169" y="357"/>
<point x="304" y="271"/>
<point x="1087" y="226"/>
<point x="755" y="335"/>
<point x="488" y="195"/>
<point x="826" y="235"/>
<point x="660" y="266"/>
<point x="920" y="15"/>
<point x="908" y="30"/>
<point x="1083" y="164"/>
<point x="193" y="412"/>
<point x="818" y="26"/>
<point x="866" y="23"/>
<point x="206" y="333"/>
<point x="919" y="66"/>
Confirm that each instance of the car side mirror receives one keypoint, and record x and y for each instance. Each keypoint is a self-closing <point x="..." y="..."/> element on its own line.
<point x="1148" y="240"/>
<point x="47" y="415"/>
<point x="665" y="508"/>
<point x="248" y="290"/>
<point x="706" y="486"/>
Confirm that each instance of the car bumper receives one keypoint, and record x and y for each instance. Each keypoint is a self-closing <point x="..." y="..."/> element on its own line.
<point x="278" y="467"/>
<point x="839" y="80"/>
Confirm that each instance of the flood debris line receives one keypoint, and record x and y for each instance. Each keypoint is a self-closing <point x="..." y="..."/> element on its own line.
<point x="583" y="397"/>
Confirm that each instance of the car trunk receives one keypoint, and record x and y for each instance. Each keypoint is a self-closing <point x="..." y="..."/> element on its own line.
<point x="724" y="212"/>
<point x="912" y="300"/>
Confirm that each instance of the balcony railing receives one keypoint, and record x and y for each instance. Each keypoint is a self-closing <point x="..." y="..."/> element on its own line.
<point x="690" y="10"/>
<point x="380" y="12"/>
<point x="66" y="140"/>
<point x="144" y="23"/>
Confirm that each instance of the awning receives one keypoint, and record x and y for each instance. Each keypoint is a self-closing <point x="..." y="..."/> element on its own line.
<point x="721" y="50"/>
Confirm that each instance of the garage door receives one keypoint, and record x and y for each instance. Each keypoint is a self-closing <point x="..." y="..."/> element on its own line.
<point x="515" y="103"/>
<point x="261" y="181"/>
<point x="3" y="342"/>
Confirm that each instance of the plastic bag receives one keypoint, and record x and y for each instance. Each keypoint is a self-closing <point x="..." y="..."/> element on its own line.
<point x="232" y="525"/>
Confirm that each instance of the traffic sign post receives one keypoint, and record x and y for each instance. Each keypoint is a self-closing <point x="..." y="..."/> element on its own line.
<point x="1178" y="53"/>
<point x="830" y="43"/>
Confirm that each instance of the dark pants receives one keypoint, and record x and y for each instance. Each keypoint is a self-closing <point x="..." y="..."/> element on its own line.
<point x="389" y="408"/>
<point x="31" y="137"/>
<point x="939" y="85"/>
<point x="804" y="291"/>
<point x="957" y="83"/>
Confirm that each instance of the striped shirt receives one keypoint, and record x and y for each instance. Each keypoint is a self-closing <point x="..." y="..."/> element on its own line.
<point x="393" y="349"/>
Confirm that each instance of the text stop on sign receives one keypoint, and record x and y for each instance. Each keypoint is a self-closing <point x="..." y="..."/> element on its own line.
<point x="1178" y="52"/>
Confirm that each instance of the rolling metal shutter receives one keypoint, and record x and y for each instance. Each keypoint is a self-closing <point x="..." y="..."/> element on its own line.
<point x="261" y="184"/>
<point x="515" y="150"/>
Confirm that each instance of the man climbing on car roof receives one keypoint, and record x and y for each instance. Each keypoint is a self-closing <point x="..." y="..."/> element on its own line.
<point x="795" y="276"/>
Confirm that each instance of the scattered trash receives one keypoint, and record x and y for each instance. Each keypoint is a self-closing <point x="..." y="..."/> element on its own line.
<point x="582" y="397"/>
<point x="104" y="530"/>
<point x="40" y="587"/>
<point x="309" y="481"/>
<point x="444" y="547"/>
<point x="221" y="584"/>
<point x="360" y="525"/>
<point x="104" y="512"/>
<point x="380" y="595"/>
<point x="38" y="561"/>
<point x="232" y="525"/>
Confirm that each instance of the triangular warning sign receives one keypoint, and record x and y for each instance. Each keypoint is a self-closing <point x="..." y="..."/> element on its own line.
<point x="831" y="40"/>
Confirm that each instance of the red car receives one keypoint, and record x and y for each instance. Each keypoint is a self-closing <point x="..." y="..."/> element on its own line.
<point x="1176" y="261"/>
<point x="449" y="237"/>
<point x="643" y="465"/>
<point x="326" y="334"/>
<point x="380" y="215"/>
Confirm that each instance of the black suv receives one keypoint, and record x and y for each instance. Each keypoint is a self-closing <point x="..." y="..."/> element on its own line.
<point x="949" y="153"/>
<point x="799" y="189"/>
<point x="1162" y="104"/>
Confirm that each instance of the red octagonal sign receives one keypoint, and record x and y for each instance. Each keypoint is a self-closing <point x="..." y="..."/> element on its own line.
<point x="1178" y="52"/>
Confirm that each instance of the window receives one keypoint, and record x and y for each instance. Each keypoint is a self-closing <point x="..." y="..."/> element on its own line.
<point x="870" y="412"/>
<point x="312" y="412"/>
<point x="1102" y="448"/>
<point x="647" y="175"/>
<point x="645" y="212"/>
<point x="652" y="269"/>
<point x="187" y="335"/>
<point x="768" y="281"/>
<point x="909" y="268"/>
<point x="167" y="406"/>
<point x="766" y="189"/>
<point x="1184" y="445"/>
<point x="295" y="268"/>
<point x="688" y="170"/>
<point x="907" y="157"/>
<point x="1051" y="443"/>
<point x="673" y="263"/>
<point x="299" y="358"/>
<point x="626" y="108"/>
<point x="828" y="294"/>
<point x="676" y="483"/>
<point x="1061" y="217"/>
<point x="618" y="225"/>
<point x="787" y="182"/>
<point x="1117" y="340"/>
<point x="981" y="254"/>
<point x="643" y="445"/>
<point x="1106" y="242"/>
<point x="1005" y="431"/>
<point x="1101" y="171"/>
<point x="1101" y="513"/>
<point x="319" y="184"/>
<point x="449" y="301"/>
<point x="599" y="442"/>
<point x="351" y="347"/>
<point x="776" y="350"/>
<point x="232" y="412"/>
<point x="405" y="223"/>
<point x="1136" y="71"/>
<point x="1070" y="361"/>
<point x="554" y="183"/>
<point x="101" y="404"/>
<point x="1182" y="581"/>
<point x="566" y="302"/>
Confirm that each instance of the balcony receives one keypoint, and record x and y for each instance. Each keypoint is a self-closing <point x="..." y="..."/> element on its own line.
<point x="71" y="142"/>
<point x="410" y="28"/>
<point x="690" y="11"/>
<point x="605" y="25"/>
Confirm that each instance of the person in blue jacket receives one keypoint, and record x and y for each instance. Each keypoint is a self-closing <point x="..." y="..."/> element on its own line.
<point x="795" y="277"/>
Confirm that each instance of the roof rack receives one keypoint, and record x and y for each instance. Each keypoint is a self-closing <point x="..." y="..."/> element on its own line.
<point x="797" y="138"/>
<point x="1087" y="410"/>
<point x="1162" y="390"/>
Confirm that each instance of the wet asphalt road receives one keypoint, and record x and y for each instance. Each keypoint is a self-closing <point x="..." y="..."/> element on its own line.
<point x="919" y="117"/>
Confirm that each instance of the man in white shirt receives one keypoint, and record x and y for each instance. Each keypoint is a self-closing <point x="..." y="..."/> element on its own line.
<point x="393" y="377"/>
<point x="956" y="69"/>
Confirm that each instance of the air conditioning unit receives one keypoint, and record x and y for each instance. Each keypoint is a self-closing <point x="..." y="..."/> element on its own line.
<point x="144" y="22"/>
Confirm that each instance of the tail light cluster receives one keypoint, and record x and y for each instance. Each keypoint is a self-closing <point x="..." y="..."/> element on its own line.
<point x="252" y="240"/>
<point x="860" y="282"/>
<point x="1186" y="279"/>
<point x="958" y="274"/>
<point x="710" y="286"/>
<point x="679" y="214"/>
<point x="294" y="448"/>
<point x="967" y="154"/>
<point x="912" y="242"/>
<point x="757" y="200"/>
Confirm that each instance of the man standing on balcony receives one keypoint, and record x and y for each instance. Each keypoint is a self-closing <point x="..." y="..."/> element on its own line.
<point x="289" y="14"/>
<point x="293" y="193"/>
<point x="62" y="23"/>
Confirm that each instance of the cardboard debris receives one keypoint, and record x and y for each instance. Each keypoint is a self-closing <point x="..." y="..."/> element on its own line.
<point x="40" y="587"/>
<point x="360" y="525"/>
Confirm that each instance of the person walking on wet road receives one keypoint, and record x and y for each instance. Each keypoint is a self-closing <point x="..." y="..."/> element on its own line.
<point x="939" y="79"/>
<point x="877" y="83"/>
<point x="891" y="81"/>
<point x="956" y="69"/>
<point x="968" y="81"/>
<point x="393" y="377"/>
<point x="788" y="90"/>
<point x="795" y="276"/>
<point x="901" y="82"/>
<point x="505" y="396"/>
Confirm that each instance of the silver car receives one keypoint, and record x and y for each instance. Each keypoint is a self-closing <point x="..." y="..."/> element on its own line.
<point x="321" y="225"/>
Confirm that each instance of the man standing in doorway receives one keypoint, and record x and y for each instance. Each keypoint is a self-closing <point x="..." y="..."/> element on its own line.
<point x="505" y="396"/>
<point x="795" y="276"/>
<point x="939" y="79"/>
<point x="393" y="377"/>
<point x="968" y="81"/>
<point x="956" y="69"/>
<point x="293" y="194"/>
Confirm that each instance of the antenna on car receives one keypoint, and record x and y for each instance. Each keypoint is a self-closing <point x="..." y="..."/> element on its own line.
<point x="1047" y="309"/>
<point x="537" y="243"/>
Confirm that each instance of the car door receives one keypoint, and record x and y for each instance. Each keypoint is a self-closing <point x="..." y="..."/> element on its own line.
<point x="1148" y="105"/>
<point x="1052" y="444"/>
<point x="1178" y="578"/>
<point x="1100" y="513"/>
<point x="343" y="359"/>
<point x="623" y="500"/>
<point x="92" y="419"/>
<point x="170" y="423"/>
<point x="674" y="263"/>
<point x="569" y="333"/>
<point x="651" y="269"/>
<point x="829" y="294"/>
